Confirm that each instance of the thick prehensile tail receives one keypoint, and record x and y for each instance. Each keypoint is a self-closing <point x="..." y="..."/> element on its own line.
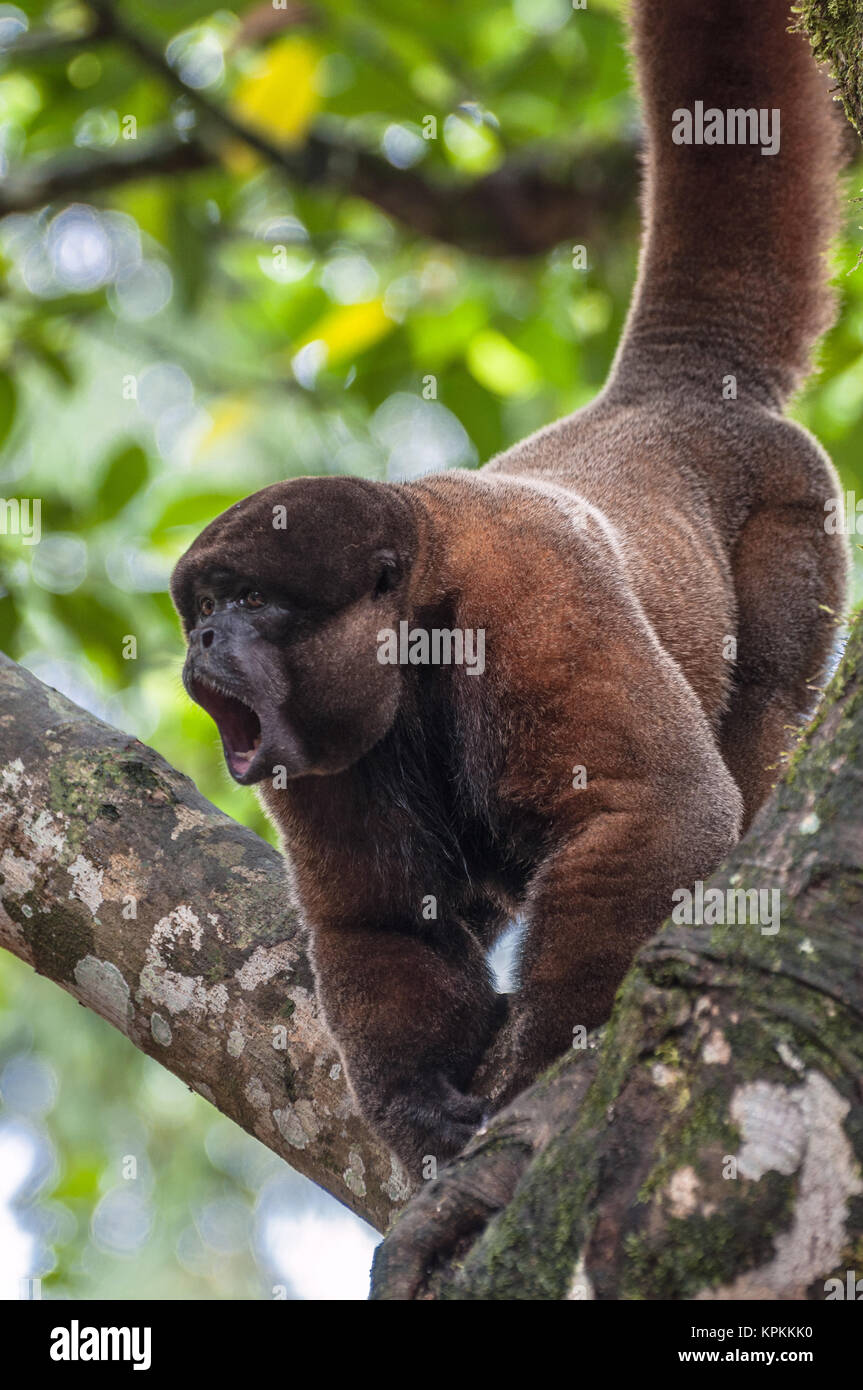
<point x="743" y="153"/>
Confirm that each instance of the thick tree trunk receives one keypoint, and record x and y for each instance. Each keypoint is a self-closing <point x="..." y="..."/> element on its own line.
<point x="709" y="1145"/>
<point x="122" y="884"/>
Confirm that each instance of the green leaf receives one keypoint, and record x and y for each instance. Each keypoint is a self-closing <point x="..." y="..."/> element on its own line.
<point x="195" y="510"/>
<point x="10" y="621"/>
<point x="126" y="473"/>
<point x="8" y="405"/>
<point x="501" y="367"/>
<point x="55" y="363"/>
<point x="191" y="240"/>
<point x="98" y="629"/>
<point x="81" y="1180"/>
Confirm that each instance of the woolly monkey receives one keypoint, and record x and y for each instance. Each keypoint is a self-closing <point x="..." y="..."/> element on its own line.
<point x="613" y="562"/>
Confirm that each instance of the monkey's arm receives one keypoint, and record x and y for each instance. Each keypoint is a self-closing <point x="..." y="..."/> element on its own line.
<point x="412" y="1017"/>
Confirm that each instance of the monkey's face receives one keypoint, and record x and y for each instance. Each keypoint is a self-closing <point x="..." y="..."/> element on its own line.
<point x="282" y="598"/>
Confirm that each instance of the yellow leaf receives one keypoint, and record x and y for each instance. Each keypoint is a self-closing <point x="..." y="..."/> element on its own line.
<point x="349" y="329"/>
<point x="227" y="416"/>
<point x="278" y="97"/>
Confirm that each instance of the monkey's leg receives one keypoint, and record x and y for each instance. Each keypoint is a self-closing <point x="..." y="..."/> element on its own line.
<point x="596" y="899"/>
<point x="789" y="577"/>
<point x="412" y="1017"/>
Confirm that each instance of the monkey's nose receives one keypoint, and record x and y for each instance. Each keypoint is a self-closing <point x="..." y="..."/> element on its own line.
<point x="202" y="636"/>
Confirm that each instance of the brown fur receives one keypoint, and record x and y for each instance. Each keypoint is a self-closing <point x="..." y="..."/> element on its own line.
<point x="608" y="559"/>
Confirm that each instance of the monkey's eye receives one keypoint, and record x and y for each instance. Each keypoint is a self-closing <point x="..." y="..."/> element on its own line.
<point x="253" y="599"/>
<point x="385" y="582"/>
<point x="206" y="607"/>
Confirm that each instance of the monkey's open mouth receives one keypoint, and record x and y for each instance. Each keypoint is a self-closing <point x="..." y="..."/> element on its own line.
<point x="237" y="722"/>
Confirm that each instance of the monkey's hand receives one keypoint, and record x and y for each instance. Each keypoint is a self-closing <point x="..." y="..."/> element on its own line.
<point x="491" y="1076"/>
<point x="510" y="1065"/>
<point x="425" y="1119"/>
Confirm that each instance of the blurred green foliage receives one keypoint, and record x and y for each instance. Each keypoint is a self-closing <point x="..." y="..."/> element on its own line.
<point x="169" y="344"/>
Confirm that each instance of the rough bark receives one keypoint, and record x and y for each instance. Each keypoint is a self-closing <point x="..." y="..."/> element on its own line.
<point x="709" y="1145"/>
<point x="210" y="975"/>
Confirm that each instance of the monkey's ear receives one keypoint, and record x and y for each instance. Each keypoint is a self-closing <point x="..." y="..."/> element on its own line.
<point x="388" y="572"/>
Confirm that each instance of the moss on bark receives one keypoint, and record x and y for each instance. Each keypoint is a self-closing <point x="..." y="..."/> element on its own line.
<point x="835" y="28"/>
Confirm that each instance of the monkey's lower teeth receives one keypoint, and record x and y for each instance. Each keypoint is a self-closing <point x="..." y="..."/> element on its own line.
<point x="249" y="752"/>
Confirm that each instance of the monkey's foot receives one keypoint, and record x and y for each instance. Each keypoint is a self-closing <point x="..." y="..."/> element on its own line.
<point x="432" y="1124"/>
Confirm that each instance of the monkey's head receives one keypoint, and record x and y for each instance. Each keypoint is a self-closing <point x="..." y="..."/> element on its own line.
<point x="281" y="599"/>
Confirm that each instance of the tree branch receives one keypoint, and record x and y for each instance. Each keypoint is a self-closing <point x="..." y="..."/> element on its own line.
<point x="515" y="211"/>
<point x="121" y="883"/>
<point x="49" y="46"/>
<point x="79" y="173"/>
